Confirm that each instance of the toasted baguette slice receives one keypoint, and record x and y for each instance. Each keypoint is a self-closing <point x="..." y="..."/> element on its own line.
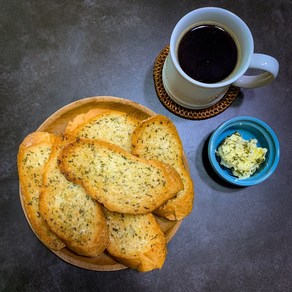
<point x="70" y="212"/>
<point x="137" y="241"/>
<point x="33" y="154"/>
<point x="164" y="144"/>
<point x="111" y="126"/>
<point x="119" y="180"/>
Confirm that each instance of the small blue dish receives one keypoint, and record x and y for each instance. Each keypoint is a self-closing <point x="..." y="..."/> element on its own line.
<point x="249" y="128"/>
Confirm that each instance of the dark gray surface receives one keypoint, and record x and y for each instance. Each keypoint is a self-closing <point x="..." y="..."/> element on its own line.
<point x="56" y="52"/>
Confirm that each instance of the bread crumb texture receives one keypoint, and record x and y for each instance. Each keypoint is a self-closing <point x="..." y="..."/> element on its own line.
<point x="119" y="180"/>
<point x="33" y="155"/>
<point x="157" y="138"/>
<point x="112" y="126"/>
<point x="71" y="212"/>
<point x="136" y="240"/>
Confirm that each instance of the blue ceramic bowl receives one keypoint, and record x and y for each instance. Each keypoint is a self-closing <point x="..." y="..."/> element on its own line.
<point x="249" y="128"/>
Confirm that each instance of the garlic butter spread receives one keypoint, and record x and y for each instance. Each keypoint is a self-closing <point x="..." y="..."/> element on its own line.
<point x="241" y="156"/>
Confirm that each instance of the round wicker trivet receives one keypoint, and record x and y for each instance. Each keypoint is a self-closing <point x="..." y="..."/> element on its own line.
<point x="191" y="114"/>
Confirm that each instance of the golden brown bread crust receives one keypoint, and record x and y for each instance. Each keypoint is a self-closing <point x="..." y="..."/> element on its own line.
<point x="136" y="240"/>
<point x="117" y="179"/>
<point x="164" y="144"/>
<point x="70" y="212"/>
<point x="108" y="125"/>
<point x="33" y="154"/>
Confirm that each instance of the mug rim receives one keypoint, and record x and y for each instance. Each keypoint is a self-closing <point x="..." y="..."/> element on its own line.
<point x="174" y="38"/>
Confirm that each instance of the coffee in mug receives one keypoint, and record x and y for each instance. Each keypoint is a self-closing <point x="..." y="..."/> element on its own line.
<point x="211" y="49"/>
<point x="207" y="53"/>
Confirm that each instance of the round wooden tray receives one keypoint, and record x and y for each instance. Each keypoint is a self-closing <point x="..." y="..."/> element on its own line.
<point x="56" y="124"/>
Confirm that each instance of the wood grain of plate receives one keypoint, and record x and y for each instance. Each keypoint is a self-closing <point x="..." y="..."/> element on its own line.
<point x="56" y="124"/>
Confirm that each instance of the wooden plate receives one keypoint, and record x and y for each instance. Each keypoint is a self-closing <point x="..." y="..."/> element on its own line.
<point x="56" y="124"/>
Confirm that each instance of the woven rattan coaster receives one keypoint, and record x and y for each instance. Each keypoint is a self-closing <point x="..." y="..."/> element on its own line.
<point x="191" y="114"/>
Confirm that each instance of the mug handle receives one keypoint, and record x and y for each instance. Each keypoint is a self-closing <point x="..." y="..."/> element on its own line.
<point x="262" y="62"/>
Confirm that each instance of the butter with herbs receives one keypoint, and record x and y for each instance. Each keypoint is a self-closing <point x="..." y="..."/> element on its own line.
<point x="243" y="157"/>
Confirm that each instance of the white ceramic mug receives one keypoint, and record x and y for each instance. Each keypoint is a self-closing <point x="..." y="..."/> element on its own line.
<point x="197" y="95"/>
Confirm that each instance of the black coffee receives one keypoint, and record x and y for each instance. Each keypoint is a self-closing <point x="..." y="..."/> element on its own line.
<point x="207" y="53"/>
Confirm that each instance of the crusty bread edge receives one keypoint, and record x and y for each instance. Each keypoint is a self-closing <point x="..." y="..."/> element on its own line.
<point x="148" y="260"/>
<point x="102" y="238"/>
<point x="170" y="173"/>
<point x="52" y="241"/>
<point x="179" y="206"/>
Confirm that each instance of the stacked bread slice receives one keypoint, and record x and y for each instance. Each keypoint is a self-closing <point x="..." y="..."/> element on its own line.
<point x="157" y="138"/>
<point x="97" y="188"/>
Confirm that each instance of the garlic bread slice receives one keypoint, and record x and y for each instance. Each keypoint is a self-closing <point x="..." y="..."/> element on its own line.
<point x="117" y="179"/>
<point x="157" y="138"/>
<point x="137" y="241"/>
<point x="33" y="155"/>
<point x="70" y="212"/>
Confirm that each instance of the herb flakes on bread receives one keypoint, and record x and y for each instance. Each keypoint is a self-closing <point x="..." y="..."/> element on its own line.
<point x="111" y="126"/>
<point x="157" y="138"/>
<point x="117" y="179"/>
<point x="137" y="241"/>
<point x="33" y="155"/>
<point x="70" y="212"/>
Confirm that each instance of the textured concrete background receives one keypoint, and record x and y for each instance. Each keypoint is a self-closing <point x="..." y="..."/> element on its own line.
<point x="56" y="52"/>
